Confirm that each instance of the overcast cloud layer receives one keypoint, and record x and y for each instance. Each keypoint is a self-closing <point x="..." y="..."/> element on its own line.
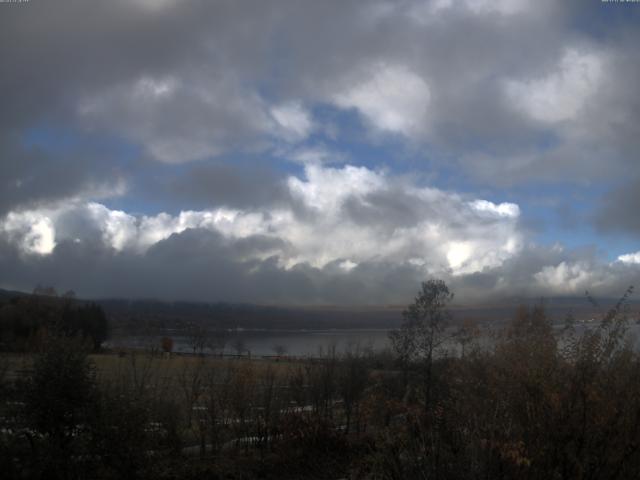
<point x="319" y="152"/>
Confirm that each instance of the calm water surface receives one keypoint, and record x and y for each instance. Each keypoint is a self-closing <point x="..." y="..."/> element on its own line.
<point x="310" y="342"/>
<point x="296" y="343"/>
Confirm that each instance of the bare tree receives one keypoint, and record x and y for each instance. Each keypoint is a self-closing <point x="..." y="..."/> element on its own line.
<point x="198" y="337"/>
<point x="216" y="340"/>
<point x="466" y="335"/>
<point x="423" y="330"/>
<point x="352" y="381"/>
<point x="280" y="350"/>
<point x="239" y="346"/>
<point x="190" y="379"/>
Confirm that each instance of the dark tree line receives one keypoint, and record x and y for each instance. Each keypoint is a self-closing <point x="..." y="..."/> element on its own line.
<point x="25" y="321"/>
<point x="86" y="321"/>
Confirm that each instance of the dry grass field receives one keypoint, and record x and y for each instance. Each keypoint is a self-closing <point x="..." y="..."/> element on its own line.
<point x="110" y="366"/>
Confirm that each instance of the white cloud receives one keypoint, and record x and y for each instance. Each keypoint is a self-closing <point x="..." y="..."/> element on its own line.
<point x="155" y="88"/>
<point x="33" y="231"/>
<point x="426" y="12"/>
<point x="347" y="265"/>
<point x="630" y="258"/>
<point x="502" y="210"/>
<point x="572" y="277"/>
<point x="293" y="121"/>
<point x="391" y="97"/>
<point x="326" y="188"/>
<point x="441" y="231"/>
<point x="180" y="119"/>
<point x="118" y="228"/>
<point x="458" y="253"/>
<point x="562" y="94"/>
<point x="154" y="5"/>
<point x="315" y="155"/>
<point x="503" y="7"/>
<point x="352" y="221"/>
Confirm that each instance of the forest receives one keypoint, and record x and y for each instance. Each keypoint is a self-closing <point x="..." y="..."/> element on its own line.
<point x="536" y="402"/>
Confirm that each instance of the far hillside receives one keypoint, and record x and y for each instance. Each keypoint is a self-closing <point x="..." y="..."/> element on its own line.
<point x="140" y="316"/>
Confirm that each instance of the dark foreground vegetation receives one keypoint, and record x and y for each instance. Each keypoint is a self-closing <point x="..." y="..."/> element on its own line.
<point x="530" y="404"/>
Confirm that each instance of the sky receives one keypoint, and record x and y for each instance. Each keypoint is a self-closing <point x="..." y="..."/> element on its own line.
<point x="304" y="152"/>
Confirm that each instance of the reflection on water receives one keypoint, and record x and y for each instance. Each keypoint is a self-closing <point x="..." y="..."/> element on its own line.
<point x="296" y="343"/>
<point x="301" y="343"/>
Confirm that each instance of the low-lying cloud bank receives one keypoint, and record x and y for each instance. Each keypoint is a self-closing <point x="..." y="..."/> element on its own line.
<point x="345" y="235"/>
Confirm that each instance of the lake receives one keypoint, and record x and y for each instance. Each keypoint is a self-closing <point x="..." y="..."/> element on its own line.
<point x="264" y="342"/>
<point x="301" y="343"/>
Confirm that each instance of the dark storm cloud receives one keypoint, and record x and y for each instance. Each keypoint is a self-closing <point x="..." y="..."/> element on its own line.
<point x="250" y="186"/>
<point x="193" y="265"/>
<point x="618" y="211"/>
<point x="60" y="56"/>
<point x="60" y="49"/>
<point x="391" y="209"/>
<point x="31" y="177"/>
<point x="203" y="265"/>
<point x="547" y="272"/>
<point x="396" y="207"/>
<point x="69" y="57"/>
<point x="192" y="80"/>
<point x="196" y="265"/>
